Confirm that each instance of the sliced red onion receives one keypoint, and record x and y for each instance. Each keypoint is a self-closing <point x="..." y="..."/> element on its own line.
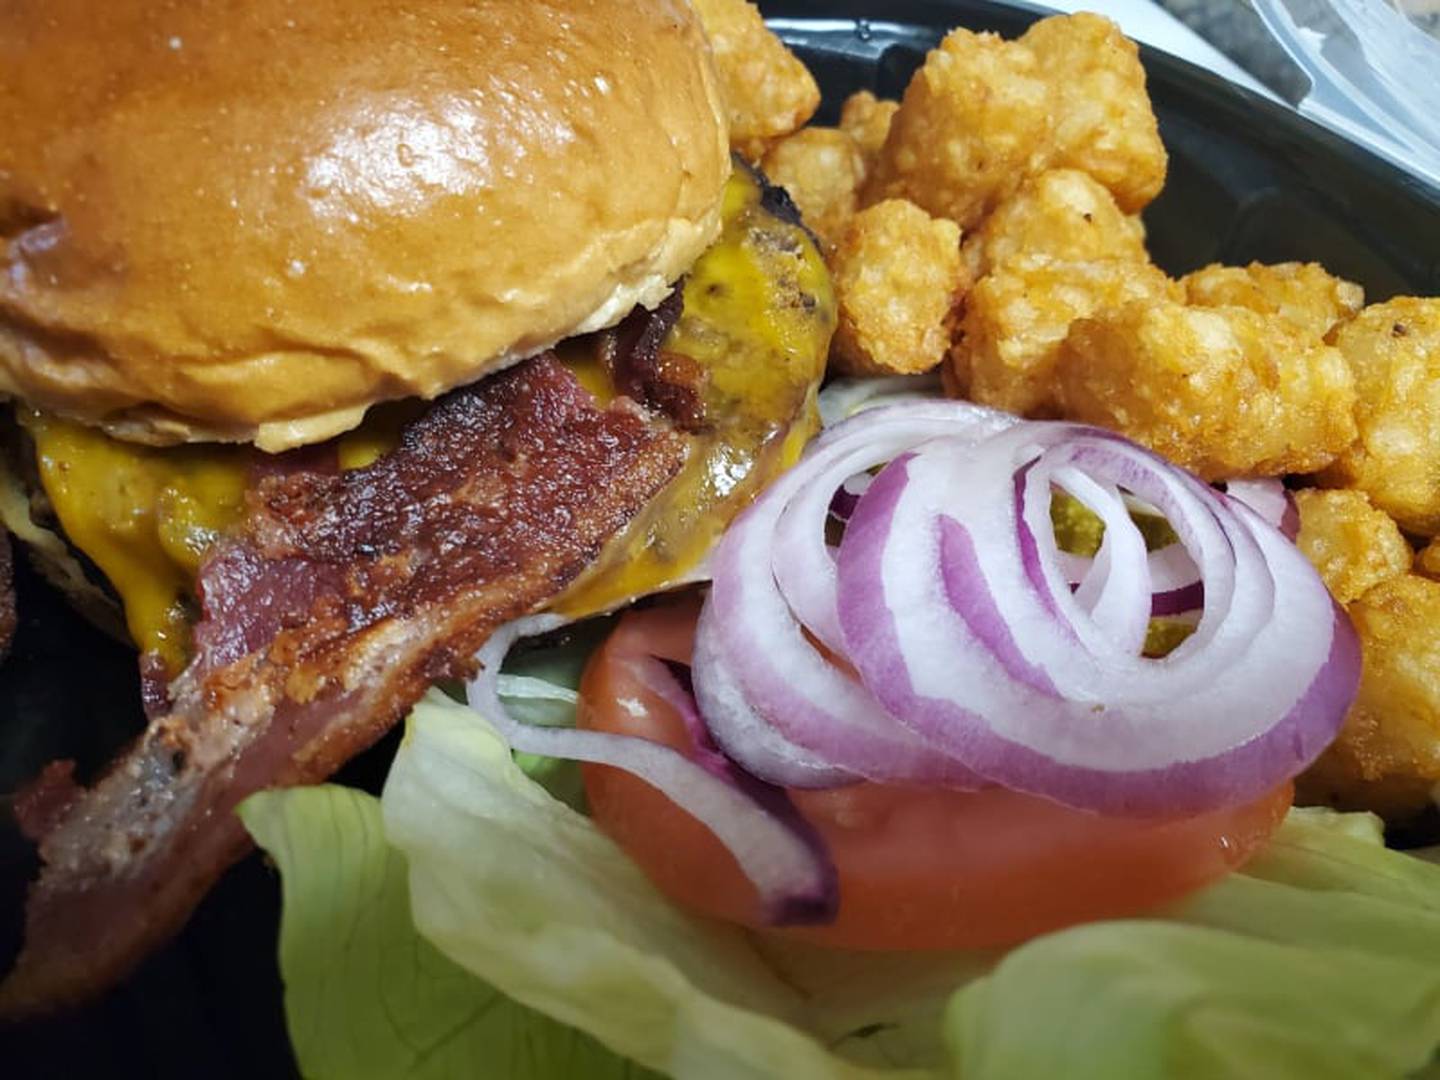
<point x="958" y="615"/>
<point x="847" y="496"/>
<point x="774" y="700"/>
<point x="1174" y="578"/>
<point x="1271" y="500"/>
<point x="743" y="733"/>
<point x="1119" y="603"/>
<point x="777" y="850"/>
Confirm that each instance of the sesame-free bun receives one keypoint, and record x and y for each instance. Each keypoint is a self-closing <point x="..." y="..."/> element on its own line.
<point x="250" y="221"/>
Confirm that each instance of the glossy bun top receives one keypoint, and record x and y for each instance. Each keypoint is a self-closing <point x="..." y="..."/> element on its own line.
<point x="251" y="219"/>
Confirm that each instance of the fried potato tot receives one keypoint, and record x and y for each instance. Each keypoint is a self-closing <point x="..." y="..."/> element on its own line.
<point x="983" y="113"/>
<point x="1428" y="561"/>
<point x="1394" y="350"/>
<point x="1305" y="295"/>
<point x="768" y="91"/>
<point x="1387" y="758"/>
<point x="975" y="120"/>
<point x="1224" y="391"/>
<point x="866" y="119"/>
<point x="822" y="169"/>
<point x="1353" y="545"/>
<point x="1017" y="317"/>
<point x="898" y="277"/>
<point x="1103" y="122"/>
<point x="1061" y="213"/>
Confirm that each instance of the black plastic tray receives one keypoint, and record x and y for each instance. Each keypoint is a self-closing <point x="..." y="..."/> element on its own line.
<point x="1248" y="180"/>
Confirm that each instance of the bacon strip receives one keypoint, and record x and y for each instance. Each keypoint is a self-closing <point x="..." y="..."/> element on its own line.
<point x="667" y="381"/>
<point x="344" y="598"/>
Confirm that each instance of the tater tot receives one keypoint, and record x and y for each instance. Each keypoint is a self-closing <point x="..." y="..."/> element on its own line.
<point x="1428" y="561"/>
<point x="1353" y="545"/>
<point x="973" y="122"/>
<point x="822" y="169"/>
<point x="898" y="275"/>
<point x="1103" y="122"/>
<point x="866" y="119"/>
<point x="1387" y="758"/>
<point x="1223" y="391"/>
<point x="984" y="113"/>
<point x="1305" y="295"/>
<point x="768" y="91"/>
<point x="1017" y="316"/>
<point x="1061" y="213"/>
<point x="1394" y="350"/>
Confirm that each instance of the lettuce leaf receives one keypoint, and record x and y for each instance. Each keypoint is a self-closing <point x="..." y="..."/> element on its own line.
<point x="508" y="881"/>
<point x="1166" y="999"/>
<point x="365" y="995"/>
<point x="1322" y="959"/>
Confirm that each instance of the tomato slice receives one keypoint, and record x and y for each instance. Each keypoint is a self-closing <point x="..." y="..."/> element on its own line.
<point x="919" y="868"/>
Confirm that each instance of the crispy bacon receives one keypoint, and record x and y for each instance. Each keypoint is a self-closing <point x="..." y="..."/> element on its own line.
<point x="344" y="597"/>
<point x="668" y="381"/>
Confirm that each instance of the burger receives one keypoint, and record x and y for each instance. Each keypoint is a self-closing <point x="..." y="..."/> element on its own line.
<point x="355" y="349"/>
<point x="334" y="336"/>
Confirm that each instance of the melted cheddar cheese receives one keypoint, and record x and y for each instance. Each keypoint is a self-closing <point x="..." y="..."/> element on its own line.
<point x="759" y="312"/>
<point x="758" y="315"/>
<point x="145" y="516"/>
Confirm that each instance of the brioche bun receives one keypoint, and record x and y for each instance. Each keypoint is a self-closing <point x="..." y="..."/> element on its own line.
<point x="249" y="222"/>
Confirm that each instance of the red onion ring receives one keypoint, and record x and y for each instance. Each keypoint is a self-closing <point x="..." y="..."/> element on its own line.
<point x="949" y="641"/>
<point x="1271" y="500"/>
<point x="774" y="701"/>
<point x="1174" y="578"/>
<point x="974" y="639"/>
<point x="776" y="848"/>
<point x="847" y="496"/>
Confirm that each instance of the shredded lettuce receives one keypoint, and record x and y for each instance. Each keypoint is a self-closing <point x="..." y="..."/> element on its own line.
<point x="1321" y="960"/>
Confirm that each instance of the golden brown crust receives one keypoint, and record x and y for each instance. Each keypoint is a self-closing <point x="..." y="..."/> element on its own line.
<point x="769" y="92"/>
<point x="1007" y="352"/>
<point x="1353" y="545"/>
<point x="898" y="279"/>
<point x="1305" y="295"/>
<point x="252" y="225"/>
<point x="1394" y="350"/>
<point x="983" y="113"/>
<point x="1427" y="562"/>
<point x="1387" y="758"/>
<point x="866" y="119"/>
<point x="1224" y="391"/>
<point x="822" y="170"/>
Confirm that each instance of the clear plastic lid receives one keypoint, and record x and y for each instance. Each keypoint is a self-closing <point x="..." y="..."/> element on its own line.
<point x="1374" y="71"/>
